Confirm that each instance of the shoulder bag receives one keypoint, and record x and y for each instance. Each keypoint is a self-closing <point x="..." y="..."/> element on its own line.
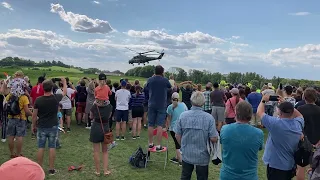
<point x="108" y="137"/>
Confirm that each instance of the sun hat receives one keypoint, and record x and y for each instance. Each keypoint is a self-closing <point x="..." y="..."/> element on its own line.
<point x="270" y="85"/>
<point x="21" y="168"/>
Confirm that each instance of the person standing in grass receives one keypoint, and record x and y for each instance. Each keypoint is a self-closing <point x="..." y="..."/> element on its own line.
<point x="122" y="110"/>
<point x="193" y="130"/>
<point x="241" y="144"/>
<point x="90" y="100"/>
<point x="44" y="119"/>
<point x="100" y="113"/>
<point x="158" y="88"/>
<point x="136" y="103"/>
<point x="174" y="111"/>
<point x="66" y="103"/>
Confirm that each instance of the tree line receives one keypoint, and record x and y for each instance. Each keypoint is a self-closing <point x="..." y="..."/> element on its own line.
<point x="20" y="62"/>
<point x="203" y="77"/>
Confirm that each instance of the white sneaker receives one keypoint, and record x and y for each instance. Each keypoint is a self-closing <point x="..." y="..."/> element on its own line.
<point x="14" y="139"/>
<point x="3" y="140"/>
<point x="88" y="127"/>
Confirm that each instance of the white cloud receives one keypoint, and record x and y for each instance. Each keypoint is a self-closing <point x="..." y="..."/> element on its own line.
<point x="82" y="23"/>
<point x="110" y="53"/>
<point x="7" y="5"/>
<point x="96" y="2"/>
<point x="188" y="40"/>
<point x="300" y="14"/>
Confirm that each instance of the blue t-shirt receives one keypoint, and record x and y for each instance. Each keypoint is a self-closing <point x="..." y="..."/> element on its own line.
<point x="241" y="144"/>
<point x="59" y="115"/>
<point x="282" y="142"/>
<point x="175" y="113"/>
<point x="254" y="99"/>
<point x="158" y="89"/>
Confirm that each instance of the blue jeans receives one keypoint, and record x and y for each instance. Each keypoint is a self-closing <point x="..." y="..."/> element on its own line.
<point x="47" y="133"/>
<point x="156" y="117"/>
<point x="17" y="128"/>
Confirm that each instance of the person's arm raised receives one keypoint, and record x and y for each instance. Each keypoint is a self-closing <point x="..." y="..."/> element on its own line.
<point x="64" y="89"/>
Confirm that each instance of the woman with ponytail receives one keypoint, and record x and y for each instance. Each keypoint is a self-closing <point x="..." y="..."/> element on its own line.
<point x="174" y="111"/>
<point x="231" y="106"/>
<point x="136" y="105"/>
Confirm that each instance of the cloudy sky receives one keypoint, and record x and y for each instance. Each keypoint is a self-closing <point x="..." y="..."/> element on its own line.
<point x="271" y="37"/>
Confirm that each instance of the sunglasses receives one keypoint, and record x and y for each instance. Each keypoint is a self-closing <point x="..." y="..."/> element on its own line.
<point x="175" y="99"/>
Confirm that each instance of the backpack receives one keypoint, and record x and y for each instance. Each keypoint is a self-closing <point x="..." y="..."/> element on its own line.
<point x="13" y="107"/>
<point x="82" y="94"/>
<point x="138" y="158"/>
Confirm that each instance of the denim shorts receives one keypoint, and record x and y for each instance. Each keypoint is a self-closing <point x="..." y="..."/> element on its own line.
<point x="47" y="133"/>
<point x="17" y="128"/>
<point x="156" y="117"/>
<point x="122" y="115"/>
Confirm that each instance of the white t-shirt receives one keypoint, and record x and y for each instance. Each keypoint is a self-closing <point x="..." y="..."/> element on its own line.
<point x="123" y="97"/>
<point x="66" y="101"/>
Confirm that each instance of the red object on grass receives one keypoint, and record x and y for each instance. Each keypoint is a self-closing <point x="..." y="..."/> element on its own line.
<point x="164" y="133"/>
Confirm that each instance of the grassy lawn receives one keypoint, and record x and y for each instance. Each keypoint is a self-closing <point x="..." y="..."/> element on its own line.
<point x="76" y="150"/>
<point x="57" y="68"/>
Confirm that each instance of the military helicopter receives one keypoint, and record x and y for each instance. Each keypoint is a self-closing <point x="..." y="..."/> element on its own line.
<point x="143" y="58"/>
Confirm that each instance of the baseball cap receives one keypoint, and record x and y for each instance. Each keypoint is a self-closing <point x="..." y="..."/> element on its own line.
<point x="102" y="76"/>
<point x="21" y="168"/>
<point x="123" y="83"/>
<point x="234" y="91"/>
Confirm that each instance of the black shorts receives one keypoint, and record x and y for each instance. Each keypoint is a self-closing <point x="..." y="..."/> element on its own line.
<point x="173" y="134"/>
<point x="137" y="112"/>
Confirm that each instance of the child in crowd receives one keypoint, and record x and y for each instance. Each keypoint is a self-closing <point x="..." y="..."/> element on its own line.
<point x="102" y="92"/>
<point x="18" y="85"/>
<point x="60" y="122"/>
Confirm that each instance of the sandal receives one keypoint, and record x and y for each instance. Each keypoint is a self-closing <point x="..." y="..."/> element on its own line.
<point x="107" y="173"/>
<point x="73" y="168"/>
<point x="97" y="174"/>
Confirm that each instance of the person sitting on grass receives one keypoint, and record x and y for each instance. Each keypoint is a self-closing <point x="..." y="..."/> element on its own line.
<point x="174" y="111"/>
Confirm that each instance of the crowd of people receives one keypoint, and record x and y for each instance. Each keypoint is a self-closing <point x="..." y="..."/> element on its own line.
<point x="232" y="115"/>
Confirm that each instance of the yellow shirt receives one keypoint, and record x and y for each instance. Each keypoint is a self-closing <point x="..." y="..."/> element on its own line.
<point x="23" y="100"/>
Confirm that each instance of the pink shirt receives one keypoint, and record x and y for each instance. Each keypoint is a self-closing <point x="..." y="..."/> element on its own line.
<point x="231" y="107"/>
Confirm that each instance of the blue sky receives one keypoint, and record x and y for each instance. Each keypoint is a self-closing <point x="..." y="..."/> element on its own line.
<point x="268" y="37"/>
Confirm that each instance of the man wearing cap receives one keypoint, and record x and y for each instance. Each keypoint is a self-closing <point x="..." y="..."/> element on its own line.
<point x="158" y="88"/>
<point x="284" y="135"/>
<point x="269" y="106"/>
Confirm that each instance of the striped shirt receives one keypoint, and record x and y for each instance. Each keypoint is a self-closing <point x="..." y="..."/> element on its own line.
<point x="137" y="100"/>
<point x="207" y="104"/>
<point x="195" y="127"/>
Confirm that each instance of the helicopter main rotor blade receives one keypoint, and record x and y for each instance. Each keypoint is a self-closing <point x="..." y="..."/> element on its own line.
<point x="132" y="50"/>
<point x="147" y="52"/>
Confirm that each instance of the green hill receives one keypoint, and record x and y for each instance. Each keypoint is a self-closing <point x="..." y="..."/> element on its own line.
<point x="56" y="68"/>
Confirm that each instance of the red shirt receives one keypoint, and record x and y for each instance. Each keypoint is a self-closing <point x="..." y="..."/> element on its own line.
<point x="36" y="92"/>
<point x="102" y="93"/>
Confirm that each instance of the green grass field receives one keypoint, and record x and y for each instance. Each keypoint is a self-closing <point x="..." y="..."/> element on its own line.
<point x="77" y="150"/>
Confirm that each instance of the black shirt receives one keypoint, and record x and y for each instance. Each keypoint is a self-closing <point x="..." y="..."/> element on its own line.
<point x="105" y="112"/>
<point x="311" y="115"/>
<point x="48" y="110"/>
<point x="186" y="95"/>
<point x="1" y="102"/>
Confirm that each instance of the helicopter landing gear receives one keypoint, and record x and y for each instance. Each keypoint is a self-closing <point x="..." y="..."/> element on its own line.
<point x="144" y="64"/>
